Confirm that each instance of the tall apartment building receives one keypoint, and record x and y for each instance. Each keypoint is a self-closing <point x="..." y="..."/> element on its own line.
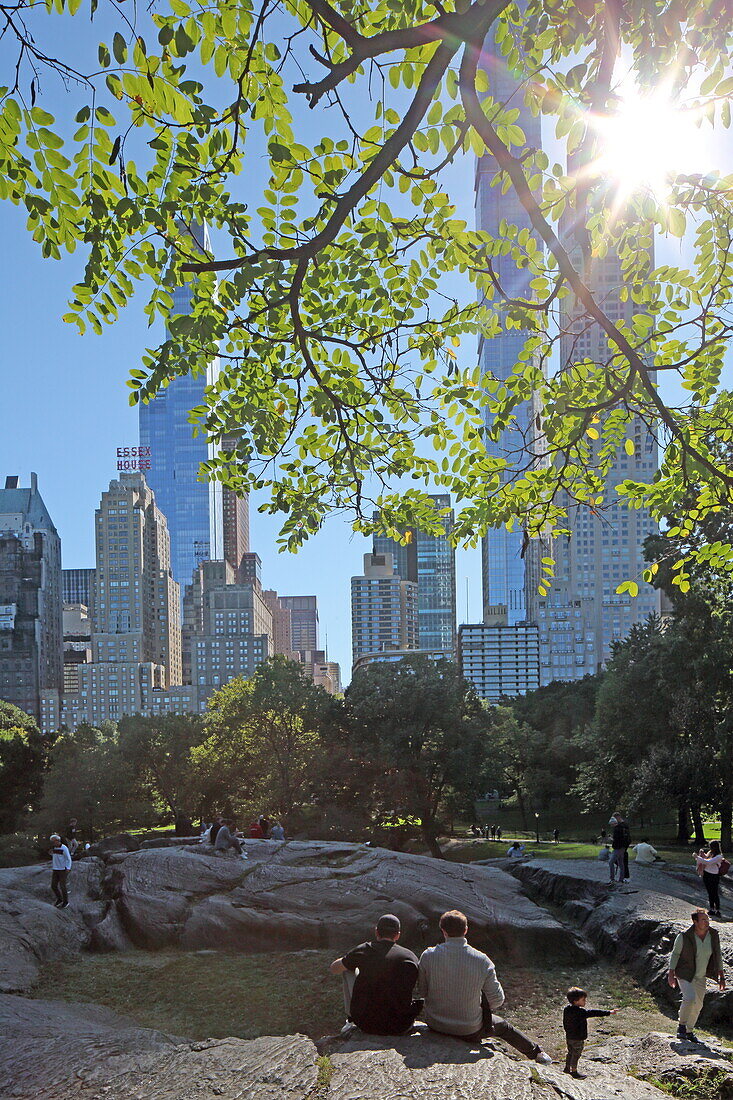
<point x="31" y="650"/>
<point x="429" y="562"/>
<point x="136" y="641"/>
<point x="136" y="599"/>
<point x="77" y="643"/>
<point x="501" y="661"/>
<point x="229" y="628"/>
<point x="502" y="564"/>
<point x="384" y="609"/>
<point x="77" y="586"/>
<point x="582" y="615"/>
<point x="304" y="622"/>
<point x="282" y="624"/>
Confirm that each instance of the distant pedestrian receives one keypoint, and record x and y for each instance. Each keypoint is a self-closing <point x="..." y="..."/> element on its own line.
<point x="708" y="865"/>
<point x="72" y="837"/>
<point x="498" y="832"/>
<point x="277" y="832"/>
<point x="265" y="824"/>
<point x="516" y="851"/>
<point x="493" y="832"/>
<point x="620" y="840"/>
<point x="695" y="958"/>
<point x="556" y="836"/>
<point x="646" y="855"/>
<point x="60" y="867"/>
<point x="575" y="1022"/>
<point x="604" y="854"/>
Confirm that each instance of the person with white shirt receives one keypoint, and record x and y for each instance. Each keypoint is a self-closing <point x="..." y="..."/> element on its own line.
<point x="462" y="991"/>
<point x="708" y="865"/>
<point x="645" y="854"/>
<point x="60" y="867"/>
<point x="695" y="958"/>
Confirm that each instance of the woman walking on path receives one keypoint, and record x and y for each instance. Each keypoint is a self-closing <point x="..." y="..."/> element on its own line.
<point x="708" y="864"/>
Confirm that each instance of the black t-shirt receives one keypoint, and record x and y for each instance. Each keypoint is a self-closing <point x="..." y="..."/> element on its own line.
<point x="382" y="997"/>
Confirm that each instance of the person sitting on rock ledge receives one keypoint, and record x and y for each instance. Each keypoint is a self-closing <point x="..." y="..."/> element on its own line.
<point x="379" y="978"/>
<point x="516" y="851"/>
<point x="462" y="991"/>
<point x="695" y="958"/>
<point x="226" y="838"/>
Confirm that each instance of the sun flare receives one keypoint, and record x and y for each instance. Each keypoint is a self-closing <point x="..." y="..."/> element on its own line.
<point x="647" y="142"/>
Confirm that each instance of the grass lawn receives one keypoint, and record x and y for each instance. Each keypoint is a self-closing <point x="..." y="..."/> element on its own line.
<point x="205" y="994"/>
<point x="467" y="850"/>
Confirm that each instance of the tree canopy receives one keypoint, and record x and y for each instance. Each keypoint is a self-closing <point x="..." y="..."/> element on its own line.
<point x="22" y="757"/>
<point x="348" y="290"/>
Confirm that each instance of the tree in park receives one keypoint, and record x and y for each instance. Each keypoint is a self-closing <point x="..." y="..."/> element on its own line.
<point x="90" y="779"/>
<point x="158" y="751"/>
<point x="345" y="280"/>
<point x="22" y="758"/>
<point x="423" y="730"/>
<point x="263" y="749"/>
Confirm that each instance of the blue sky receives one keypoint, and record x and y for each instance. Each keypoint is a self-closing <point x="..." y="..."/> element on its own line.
<point x="65" y="410"/>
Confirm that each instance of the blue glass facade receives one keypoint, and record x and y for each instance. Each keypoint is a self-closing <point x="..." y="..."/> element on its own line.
<point x="193" y="508"/>
<point x="502" y="565"/>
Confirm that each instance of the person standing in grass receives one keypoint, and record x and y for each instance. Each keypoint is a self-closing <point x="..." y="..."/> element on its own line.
<point x="695" y="958"/>
<point x="575" y="1022"/>
<point x="60" y="867"/>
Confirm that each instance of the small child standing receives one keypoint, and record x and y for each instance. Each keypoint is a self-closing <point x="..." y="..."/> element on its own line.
<point x="575" y="1022"/>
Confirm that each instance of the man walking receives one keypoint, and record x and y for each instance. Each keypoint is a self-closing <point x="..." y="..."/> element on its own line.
<point x="60" y="867"/>
<point x="379" y="978"/>
<point x="695" y="958"/>
<point x="461" y="991"/>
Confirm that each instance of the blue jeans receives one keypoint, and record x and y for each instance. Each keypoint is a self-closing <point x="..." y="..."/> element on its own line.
<point x="616" y="860"/>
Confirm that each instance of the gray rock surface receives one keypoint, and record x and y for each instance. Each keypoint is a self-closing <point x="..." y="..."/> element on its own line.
<point x="671" y="1060"/>
<point x="287" y="896"/>
<point x="50" y="1050"/>
<point x="635" y="922"/>
<point x="32" y="931"/>
<point x="316" y="895"/>
<point x="53" y="1051"/>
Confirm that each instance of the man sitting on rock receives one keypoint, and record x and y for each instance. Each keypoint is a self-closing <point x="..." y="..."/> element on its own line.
<point x="695" y="958"/>
<point x="453" y="977"/>
<point x="227" y="838"/>
<point x="378" y="999"/>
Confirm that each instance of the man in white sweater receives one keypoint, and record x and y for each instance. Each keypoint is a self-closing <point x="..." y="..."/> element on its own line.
<point x="60" y="867"/>
<point x="452" y="978"/>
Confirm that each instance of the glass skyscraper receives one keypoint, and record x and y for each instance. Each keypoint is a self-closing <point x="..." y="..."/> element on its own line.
<point x="502" y="564"/>
<point x="193" y="508"/>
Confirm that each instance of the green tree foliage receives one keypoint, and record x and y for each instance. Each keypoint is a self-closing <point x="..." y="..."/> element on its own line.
<point x="424" y="732"/>
<point x="22" y="757"/>
<point x="158" y="752"/>
<point x="263" y="749"/>
<point x="347" y="281"/>
<point x="90" y="779"/>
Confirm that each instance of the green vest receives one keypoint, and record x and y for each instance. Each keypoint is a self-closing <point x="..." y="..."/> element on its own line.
<point x="685" y="968"/>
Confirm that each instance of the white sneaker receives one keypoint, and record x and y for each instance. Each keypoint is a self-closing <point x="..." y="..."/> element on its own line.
<point x="244" y="855"/>
<point x="543" y="1058"/>
<point x="348" y="1029"/>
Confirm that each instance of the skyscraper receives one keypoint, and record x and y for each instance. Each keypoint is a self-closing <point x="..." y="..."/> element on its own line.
<point x="502" y="565"/>
<point x="429" y="562"/>
<point x="383" y="609"/>
<point x="205" y="521"/>
<point x="582" y="614"/>
<point x="31" y="645"/>
<point x="78" y="586"/>
<point x="303" y="622"/>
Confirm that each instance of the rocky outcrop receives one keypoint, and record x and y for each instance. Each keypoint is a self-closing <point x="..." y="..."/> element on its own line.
<point x="673" y="1061"/>
<point x="635" y="922"/>
<point x="33" y="932"/>
<point x="54" y="1051"/>
<point x="285" y="897"/>
<point x="316" y="895"/>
